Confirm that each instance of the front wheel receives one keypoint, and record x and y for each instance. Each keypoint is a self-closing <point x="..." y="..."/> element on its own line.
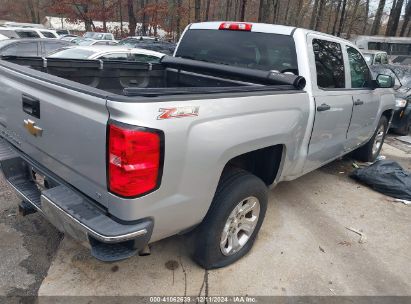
<point x="370" y="151"/>
<point x="230" y="227"/>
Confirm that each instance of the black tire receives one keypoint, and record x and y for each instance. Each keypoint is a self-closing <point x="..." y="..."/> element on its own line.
<point x="234" y="186"/>
<point x="366" y="153"/>
<point x="405" y="130"/>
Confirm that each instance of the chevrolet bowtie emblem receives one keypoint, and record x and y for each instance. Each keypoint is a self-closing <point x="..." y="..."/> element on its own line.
<point x="32" y="128"/>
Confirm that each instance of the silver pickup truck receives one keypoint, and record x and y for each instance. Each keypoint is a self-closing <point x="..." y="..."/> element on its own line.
<point x="122" y="154"/>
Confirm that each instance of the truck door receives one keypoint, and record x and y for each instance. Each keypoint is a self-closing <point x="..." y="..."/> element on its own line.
<point x="365" y="99"/>
<point x="333" y="101"/>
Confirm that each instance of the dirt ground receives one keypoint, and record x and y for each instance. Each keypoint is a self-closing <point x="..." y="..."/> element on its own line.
<point x="304" y="248"/>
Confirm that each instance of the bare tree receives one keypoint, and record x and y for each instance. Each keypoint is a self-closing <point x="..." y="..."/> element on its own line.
<point x="342" y="18"/>
<point x="353" y="18"/>
<point x="207" y="12"/>
<point x="132" y="22"/>
<point x="406" y="18"/>
<point x="320" y="13"/>
<point x="377" y="19"/>
<point x="394" y="19"/>
<point x="367" y="11"/>
<point x="197" y="10"/>
<point x="314" y="14"/>
<point x="336" y="17"/>
<point x="242" y="9"/>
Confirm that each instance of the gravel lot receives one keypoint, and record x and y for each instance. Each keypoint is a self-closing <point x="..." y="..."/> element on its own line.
<point x="303" y="248"/>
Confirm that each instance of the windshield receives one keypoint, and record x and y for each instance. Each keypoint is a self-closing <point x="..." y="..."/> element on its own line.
<point x="368" y="58"/>
<point x="86" y="42"/>
<point x="72" y="53"/>
<point x="252" y="50"/>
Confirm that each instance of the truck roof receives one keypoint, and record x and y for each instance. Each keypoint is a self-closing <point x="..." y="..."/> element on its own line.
<point x="262" y="28"/>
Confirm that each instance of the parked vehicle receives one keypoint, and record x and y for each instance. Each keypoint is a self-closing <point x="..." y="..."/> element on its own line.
<point x="70" y="38"/>
<point x="401" y="122"/>
<point x="30" y="47"/>
<point x="17" y="32"/>
<point x="375" y="57"/>
<point x="394" y="46"/>
<point x="98" y="36"/>
<point x="402" y="60"/>
<point x="125" y="154"/>
<point x="87" y="41"/>
<point x="21" y="24"/>
<point x="63" y="32"/>
<point x="108" y="53"/>
<point x="2" y="37"/>
<point x="13" y="33"/>
<point x="149" y="43"/>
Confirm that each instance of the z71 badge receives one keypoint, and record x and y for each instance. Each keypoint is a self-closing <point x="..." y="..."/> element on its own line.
<point x="167" y="113"/>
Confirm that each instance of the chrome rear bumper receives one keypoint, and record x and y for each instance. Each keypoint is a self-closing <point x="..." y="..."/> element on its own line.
<point x="71" y="212"/>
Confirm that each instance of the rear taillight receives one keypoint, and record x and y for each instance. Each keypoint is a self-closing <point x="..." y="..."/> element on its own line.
<point x="235" y="26"/>
<point x="134" y="160"/>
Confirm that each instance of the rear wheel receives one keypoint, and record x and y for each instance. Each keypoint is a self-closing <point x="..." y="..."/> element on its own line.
<point x="230" y="227"/>
<point x="370" y="151"/>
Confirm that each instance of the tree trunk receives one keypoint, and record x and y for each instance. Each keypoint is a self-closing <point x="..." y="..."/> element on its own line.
<point x="197" y="11"/>
<point x="120" y="11"/>
<point x="207" y="12"/>
<point x="143" y="31"/>
<point x="276" y="7"/>
<point x="242" y="9"/>
<point x="155" y="17"/>
<point x="336" y="17"/>
<point x="227" y="10"/>
<point x="342" y="18"/>
<point x="353" y="19"/>
<point x="298" y="15"/>
<point x="314" y="14"/>
<point x="406" y="18"/>
<point x="178" y="21"/>
<point x="103" y="4"/>
<point x="394" y="19"/>
<point x="287" y="10"/>
<point x="320" y="14"/>
<point x="260" y="10"/>
<point x="377" y="19"/>
<point x="367" y="11"/>
<point x="132" y="22"/>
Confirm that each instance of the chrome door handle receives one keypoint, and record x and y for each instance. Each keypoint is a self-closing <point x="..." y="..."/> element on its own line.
<point x="323" y="107"/>
<point x="358" y="102"/>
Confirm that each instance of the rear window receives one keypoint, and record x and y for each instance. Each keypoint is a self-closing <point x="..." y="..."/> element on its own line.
<point x="252" y="50"/>
<point x="72" y="54"/>
<point x="27" y="34"/>
<point x="47" y="34"/>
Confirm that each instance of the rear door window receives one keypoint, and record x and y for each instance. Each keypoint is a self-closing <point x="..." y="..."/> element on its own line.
<point x="27" y="49"/>
<point x="261" y="51"/>
<point x="52" y="46"/>
<point x="329" y="63"/>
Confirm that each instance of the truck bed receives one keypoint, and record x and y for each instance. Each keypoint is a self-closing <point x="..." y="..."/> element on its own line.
<point x="173" y="76"/>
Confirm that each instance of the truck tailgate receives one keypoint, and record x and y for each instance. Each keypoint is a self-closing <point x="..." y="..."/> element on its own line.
<point x="58" y="127"/>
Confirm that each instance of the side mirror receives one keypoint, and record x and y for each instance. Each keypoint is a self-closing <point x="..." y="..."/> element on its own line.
<point x="384" y="81"/>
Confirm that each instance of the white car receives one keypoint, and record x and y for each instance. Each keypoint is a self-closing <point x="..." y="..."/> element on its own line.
<point x="23" y="32"/>
<point x="87" y="42"/>
<point x="108" y="53"/>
